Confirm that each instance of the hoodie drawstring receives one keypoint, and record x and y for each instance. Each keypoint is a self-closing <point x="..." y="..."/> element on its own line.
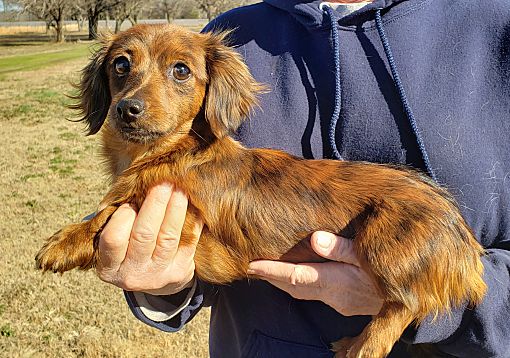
<point x="396" y="80"/>
<point x="338" y="86"/>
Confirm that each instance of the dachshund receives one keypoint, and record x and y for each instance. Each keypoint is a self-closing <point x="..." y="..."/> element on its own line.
<point x="167" y="100"/>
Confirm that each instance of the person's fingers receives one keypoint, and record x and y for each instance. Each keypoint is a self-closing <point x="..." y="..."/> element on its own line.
<point x="285" y="272"/>
<point x="148" y="223"/>
<point x="333" y="247"/>
<point x="187" y="251"/>
<point x="171" y="228"/>
<point x="114" y="239"/>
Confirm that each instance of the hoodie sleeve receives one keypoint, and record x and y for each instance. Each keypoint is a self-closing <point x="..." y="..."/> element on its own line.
<point x="481" y="331"/>
<point x="170" y="313"/>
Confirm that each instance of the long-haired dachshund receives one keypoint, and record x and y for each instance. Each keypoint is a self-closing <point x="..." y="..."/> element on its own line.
<point x="167" y="100"/>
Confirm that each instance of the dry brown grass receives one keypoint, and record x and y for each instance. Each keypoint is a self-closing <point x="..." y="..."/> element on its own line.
<point x="49" y="177"/>
<point x="11" y="30"/>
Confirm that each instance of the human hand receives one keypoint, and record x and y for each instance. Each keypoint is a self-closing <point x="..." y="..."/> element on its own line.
<point x="141" y="252"/>
<point x="341" y="283"/>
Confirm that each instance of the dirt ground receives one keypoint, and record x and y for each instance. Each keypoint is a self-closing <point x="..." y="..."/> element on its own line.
<point x="48" y="178"/>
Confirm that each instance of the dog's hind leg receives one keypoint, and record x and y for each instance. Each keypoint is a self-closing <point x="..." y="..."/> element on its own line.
<point x="379" y="336"/>
<point x="74" y="245"/>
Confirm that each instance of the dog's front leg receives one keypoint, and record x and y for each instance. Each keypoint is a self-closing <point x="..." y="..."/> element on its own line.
<point x="75" y="245"/>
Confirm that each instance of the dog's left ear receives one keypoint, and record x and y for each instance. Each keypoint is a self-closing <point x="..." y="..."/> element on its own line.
<point x="93" y="99"/>
<point x="232" y="91"/>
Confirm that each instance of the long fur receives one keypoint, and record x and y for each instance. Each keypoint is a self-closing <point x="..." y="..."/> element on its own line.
<point x="261" y="203"/>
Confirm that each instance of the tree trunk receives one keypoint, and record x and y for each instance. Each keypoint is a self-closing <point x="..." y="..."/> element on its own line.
<point x="118" y="24"/>
<point x="80" y="22"/>
<point x="133" y="19"/>
<point x="93" y="20"/>
<point x="60" y="29"/>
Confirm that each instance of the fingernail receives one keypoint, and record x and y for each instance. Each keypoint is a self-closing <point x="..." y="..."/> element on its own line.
<point x="324" y="242"/>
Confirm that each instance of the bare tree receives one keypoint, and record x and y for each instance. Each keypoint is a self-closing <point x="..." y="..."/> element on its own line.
<point x="170" y="8"/>
<point x="53" y="12"/>
<point x="125" y="10"/>
<point x="10" y="5"/>
<point x="95" y="9"/>
<point x="77" y="14"/>
<point x="213" y="8"/>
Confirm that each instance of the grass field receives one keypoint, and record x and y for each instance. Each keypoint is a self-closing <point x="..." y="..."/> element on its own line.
<point x="48" y="178"/>
<point x="43" y="57"/>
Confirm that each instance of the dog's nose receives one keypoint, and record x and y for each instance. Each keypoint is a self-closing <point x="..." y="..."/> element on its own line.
<point x="130" y="110"/>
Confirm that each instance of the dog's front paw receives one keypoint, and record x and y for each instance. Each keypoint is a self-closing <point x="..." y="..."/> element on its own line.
<point x="71" y="247"/>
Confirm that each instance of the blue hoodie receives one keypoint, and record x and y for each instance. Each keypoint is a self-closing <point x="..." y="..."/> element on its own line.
<point x="443" y="107"/>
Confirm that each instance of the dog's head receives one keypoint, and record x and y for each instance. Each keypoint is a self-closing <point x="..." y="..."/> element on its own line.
<point x="152" y="79"/>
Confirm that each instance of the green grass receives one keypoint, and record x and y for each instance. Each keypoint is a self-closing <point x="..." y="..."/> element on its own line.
<point x="25" y="178"/>
<point x="43" y="95"/>
<point x="34" y="61"/>
<point x="6" y="331"/>
<point x="62" y="165"/>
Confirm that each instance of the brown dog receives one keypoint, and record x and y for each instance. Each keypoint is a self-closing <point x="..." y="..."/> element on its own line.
<point x="171" y="97"/>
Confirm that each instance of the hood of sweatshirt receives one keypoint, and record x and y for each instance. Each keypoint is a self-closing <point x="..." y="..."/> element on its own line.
<point x="310" y="14"/>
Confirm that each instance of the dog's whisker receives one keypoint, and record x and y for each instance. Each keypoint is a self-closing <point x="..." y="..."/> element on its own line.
<point x="205" y="140"/>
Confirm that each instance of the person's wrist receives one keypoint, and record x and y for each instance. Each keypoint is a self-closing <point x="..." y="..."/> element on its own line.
<point x="172" y="289"/>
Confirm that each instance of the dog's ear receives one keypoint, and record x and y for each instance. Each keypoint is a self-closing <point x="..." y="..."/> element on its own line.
<point x="232" y="91"/>
<point x="93" y="98"/>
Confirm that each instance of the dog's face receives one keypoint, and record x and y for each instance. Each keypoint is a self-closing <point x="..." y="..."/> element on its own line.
<point x="152" y="81"/>
<point x="157" y="80"/>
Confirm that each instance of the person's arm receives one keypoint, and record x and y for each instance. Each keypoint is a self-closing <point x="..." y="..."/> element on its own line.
<point x="140" y="253"/>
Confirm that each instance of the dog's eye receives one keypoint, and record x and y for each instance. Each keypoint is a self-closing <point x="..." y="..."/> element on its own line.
<point x="181" y="72"/>
<point x="121" y="65"/>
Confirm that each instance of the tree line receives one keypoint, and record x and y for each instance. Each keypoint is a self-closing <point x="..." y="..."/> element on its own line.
<point x="55" y="12"/>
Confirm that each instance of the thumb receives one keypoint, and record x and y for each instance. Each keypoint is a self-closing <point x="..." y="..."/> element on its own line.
<point x="335" y="248"/>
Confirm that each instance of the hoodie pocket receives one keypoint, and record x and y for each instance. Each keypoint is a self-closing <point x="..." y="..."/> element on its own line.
<point x="259" y="345"/>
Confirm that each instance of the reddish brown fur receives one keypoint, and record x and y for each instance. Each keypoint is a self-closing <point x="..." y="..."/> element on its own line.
<point x="261" y="203"/>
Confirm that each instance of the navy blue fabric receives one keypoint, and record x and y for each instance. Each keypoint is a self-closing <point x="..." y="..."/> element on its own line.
<point x="401" y="92"/>
<point x="453" y="60"/>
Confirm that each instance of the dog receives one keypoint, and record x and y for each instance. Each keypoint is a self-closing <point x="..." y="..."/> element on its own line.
<point x="166" y="101"/>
